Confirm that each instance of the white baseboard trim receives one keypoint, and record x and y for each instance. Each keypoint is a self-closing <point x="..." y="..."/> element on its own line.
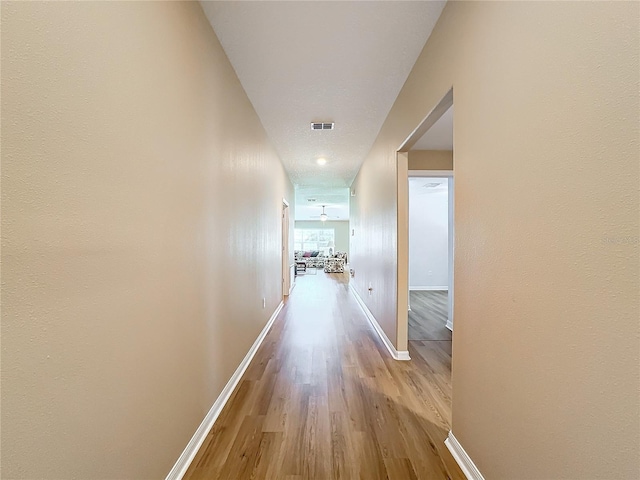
<point x="397" y="354"/>
<point x="423" y="288"/>
<point x="187" y="456"/>
<point x="464" y="461"/>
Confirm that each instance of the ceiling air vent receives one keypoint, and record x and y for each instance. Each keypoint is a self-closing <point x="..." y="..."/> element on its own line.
<point x="322" y="126"/>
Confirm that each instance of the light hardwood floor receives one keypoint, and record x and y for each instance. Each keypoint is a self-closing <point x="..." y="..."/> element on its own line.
<point x="323" y="400"/>
<point x="428" y="315"/>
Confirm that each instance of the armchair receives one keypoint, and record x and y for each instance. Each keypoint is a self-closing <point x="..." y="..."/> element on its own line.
<point x="335" y="264"/>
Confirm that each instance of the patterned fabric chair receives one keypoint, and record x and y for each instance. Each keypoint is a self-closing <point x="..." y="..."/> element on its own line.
<point x="334" y="265"/>
<point x="315" y="262"/>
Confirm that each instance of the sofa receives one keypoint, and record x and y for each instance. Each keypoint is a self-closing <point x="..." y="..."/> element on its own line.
<point x="311" y="259"/>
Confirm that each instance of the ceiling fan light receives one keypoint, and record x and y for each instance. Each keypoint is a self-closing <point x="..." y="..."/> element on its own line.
<point x="323" y="216"/>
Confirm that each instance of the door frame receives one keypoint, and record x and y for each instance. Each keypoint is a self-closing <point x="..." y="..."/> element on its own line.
<point x="286" y="267"/>
<point x="449" y="174"/>
<point x="402" y="225"/>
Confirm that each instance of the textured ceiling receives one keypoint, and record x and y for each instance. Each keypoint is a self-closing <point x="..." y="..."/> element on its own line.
<point x="341" y="62"/>
<point x="439" y="136"/>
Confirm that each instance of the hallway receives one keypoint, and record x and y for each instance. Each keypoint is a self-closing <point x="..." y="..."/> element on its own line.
<point x="323" y="399"/>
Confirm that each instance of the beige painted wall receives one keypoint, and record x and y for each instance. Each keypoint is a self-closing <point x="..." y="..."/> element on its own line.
<point x="341" y="230"/>
<point x="546" y="348"/>
<point x="141" y="205"/>
<point x="430" y="160"/>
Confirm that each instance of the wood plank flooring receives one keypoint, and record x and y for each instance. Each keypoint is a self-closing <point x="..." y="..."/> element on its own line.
<point x="323" y="400"/>
<point x="428" y="315"/>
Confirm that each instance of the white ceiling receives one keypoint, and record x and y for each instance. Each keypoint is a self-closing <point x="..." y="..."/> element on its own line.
<point x="427" y="186"/>
<point x="306" y="61"/>
<point x="439" y="136"/>
<point x="336" y="201"/>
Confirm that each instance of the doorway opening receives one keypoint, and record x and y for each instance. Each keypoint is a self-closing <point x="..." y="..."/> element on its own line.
<point x="321" y="231"/>
<point x="430" y="316"/>
<point x="427" y="152"/>
<point x="287" y="267"/>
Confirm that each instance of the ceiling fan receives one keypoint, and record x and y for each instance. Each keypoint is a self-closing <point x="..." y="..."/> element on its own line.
<point x="323" y="216"/>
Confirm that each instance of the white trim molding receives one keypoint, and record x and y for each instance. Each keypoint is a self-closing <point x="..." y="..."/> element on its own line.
<point x="292" y="277"/>
<point x="425" y="288"/>
<point x="462" y="458"/>
<point x="190" y="451"/>
<point x="397" y="354"/>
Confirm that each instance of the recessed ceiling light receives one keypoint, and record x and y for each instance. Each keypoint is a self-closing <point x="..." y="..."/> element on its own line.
<point x="321" y="161"/>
